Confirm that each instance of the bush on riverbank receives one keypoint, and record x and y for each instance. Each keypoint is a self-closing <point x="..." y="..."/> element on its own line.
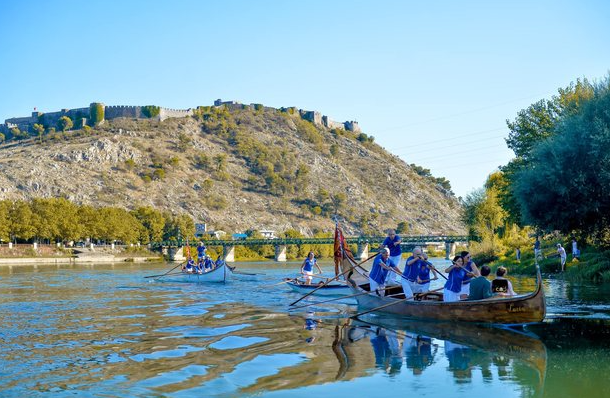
<point x="593" y="265"/>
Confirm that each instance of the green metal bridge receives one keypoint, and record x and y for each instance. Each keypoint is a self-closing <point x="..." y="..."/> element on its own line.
<point x="365" y="243"/>
<point x="407" y="241"/>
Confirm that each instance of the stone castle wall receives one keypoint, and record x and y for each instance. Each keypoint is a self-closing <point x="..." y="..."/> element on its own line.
<point x="79" y="115"/>
<point x="165" y="113"/>
<point x="113" y="112"/>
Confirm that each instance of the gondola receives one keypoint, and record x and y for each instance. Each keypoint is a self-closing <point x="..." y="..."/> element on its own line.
<point x="220" y="274"/>
<point x="520" y="309"/>
<point x="328" y="290"/>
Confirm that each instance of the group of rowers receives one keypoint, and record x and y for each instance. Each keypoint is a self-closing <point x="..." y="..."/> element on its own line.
<point x="464" y="281"/>
<point x="204" y="262"/>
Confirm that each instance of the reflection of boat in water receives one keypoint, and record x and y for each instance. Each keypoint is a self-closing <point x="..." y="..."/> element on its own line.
<point x="330" y="289"/>
<point x="466" y="346"/>
<point x="519" y="309"/>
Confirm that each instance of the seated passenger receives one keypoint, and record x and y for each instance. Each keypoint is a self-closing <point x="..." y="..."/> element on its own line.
<point x="219" y="261"/>
<point x="480" y="287"/>
<point x="502" y="286"/>
<point x="190" y="265"/>
<point x="200" y="265"/>
<point x="208" y="264"/>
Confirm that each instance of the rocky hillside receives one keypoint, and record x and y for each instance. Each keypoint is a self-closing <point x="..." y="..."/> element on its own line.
<point x="235" y="170"/>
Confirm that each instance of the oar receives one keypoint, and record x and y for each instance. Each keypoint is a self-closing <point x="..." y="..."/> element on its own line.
<point x="233" y="269"/>
<point x="434" y="268"/>
<point x="388" y="305"/>
<point x="286" y="281"/>
<point x="330" y="280"/>
<point x="334" y="299"/>
<point x="156" y="276"/>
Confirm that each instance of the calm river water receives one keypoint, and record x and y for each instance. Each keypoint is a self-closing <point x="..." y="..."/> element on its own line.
<point x="105" y="330"/>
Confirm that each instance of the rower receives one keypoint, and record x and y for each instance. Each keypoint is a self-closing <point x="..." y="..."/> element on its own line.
<point x="208" y="264"/>
<point x="379" y="271"/>
<point x="307" y="267"/>
<point x="190" y="265"/>
<point x="200" y="266"/>
<point x="453" y="286"/>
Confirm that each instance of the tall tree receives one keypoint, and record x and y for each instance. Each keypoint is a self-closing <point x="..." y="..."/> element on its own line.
<point x="65" y="123"/>
<point x="567" y="186"/>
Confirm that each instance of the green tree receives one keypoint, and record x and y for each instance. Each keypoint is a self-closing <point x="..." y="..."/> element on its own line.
<point x="5" y="209"/>
<point x="39" y="129"/>
<point x="20" y="221"/>
<point x="65" y="123"/>
<point x="151" y="111"/>
<point x="153" y="222"/>
<point x="2" y="138"/>
<point x="91" y="221"/>
<point x="567" y="186"/>
<point x="96" y="113"/>
<point x="220" y="161"/>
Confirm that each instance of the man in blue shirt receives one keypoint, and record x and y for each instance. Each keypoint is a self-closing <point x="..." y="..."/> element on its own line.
<point x="201" y="250"/>
<point x="379" y="271"/>
<point x="411" y="272"/>
<point x="392" y="242"/>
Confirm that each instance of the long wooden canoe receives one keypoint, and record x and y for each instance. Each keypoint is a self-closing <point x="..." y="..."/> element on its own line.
<point x="331" y="289"/>
<point x="526" y="308"/>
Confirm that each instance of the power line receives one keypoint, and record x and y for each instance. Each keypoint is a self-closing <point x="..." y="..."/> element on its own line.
<point x="452" y="137"/>
<point x="453" y="145"/>
<point x="445" y="155"/>
<point x="462" y="113"/>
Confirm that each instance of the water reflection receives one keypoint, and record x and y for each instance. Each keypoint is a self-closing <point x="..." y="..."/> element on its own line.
<point x="102" y="331"/>
<point x="496" y="353"/>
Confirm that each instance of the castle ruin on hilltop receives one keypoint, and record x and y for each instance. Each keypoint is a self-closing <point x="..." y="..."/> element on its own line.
<point x="98" y="112"/>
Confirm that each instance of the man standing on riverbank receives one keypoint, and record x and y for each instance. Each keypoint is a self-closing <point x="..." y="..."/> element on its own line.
<point x="562" y="256"/>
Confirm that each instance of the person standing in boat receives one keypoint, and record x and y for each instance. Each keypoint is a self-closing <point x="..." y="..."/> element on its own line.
<point x="200" y="250"/>
<point x="392" y="242"/>
<point x="307" y="267"/>
<point x="423" y="276"/>
<point x="379" y="272"/>
<point x="502" y="286"/>
<point x="453" y="286"/>
<point x="411" y="272"/>
<point x="472" y="272"/>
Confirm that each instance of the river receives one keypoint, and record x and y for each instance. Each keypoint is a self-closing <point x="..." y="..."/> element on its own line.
<point x="105" y="330"/>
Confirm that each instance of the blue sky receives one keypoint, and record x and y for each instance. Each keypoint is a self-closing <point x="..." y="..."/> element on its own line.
<point x="433" y="82"/>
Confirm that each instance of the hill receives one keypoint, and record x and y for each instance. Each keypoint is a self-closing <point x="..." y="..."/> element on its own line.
<point x="235" y="169"/>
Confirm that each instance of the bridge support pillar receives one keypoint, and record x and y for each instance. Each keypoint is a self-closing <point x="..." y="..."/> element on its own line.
<point x="280" y="253"/>
<point x="450" y="250"/>
<point x="363" y="251"/>
<point x="229" y="253"/>
<point x="175" y="254"/>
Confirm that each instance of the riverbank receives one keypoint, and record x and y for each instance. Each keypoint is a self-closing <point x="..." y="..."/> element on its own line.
<point x="12" y="261"/>
<point x="593" y="265"/>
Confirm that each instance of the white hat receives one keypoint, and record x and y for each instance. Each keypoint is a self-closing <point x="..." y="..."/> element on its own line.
<point x="385" y="249"/>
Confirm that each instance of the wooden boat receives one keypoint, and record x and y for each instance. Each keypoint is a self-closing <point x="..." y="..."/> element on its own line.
<point x="526" y="308"/>
<point x="331" y="289"/>
<point x="220" y="274"/>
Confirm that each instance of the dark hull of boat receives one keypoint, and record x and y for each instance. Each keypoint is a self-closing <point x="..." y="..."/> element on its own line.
<point x="327" y="290"/>
<point x="521" y="309"/>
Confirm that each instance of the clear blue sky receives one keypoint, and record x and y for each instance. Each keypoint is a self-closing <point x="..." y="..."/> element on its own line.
<point x="433" y="82"/>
